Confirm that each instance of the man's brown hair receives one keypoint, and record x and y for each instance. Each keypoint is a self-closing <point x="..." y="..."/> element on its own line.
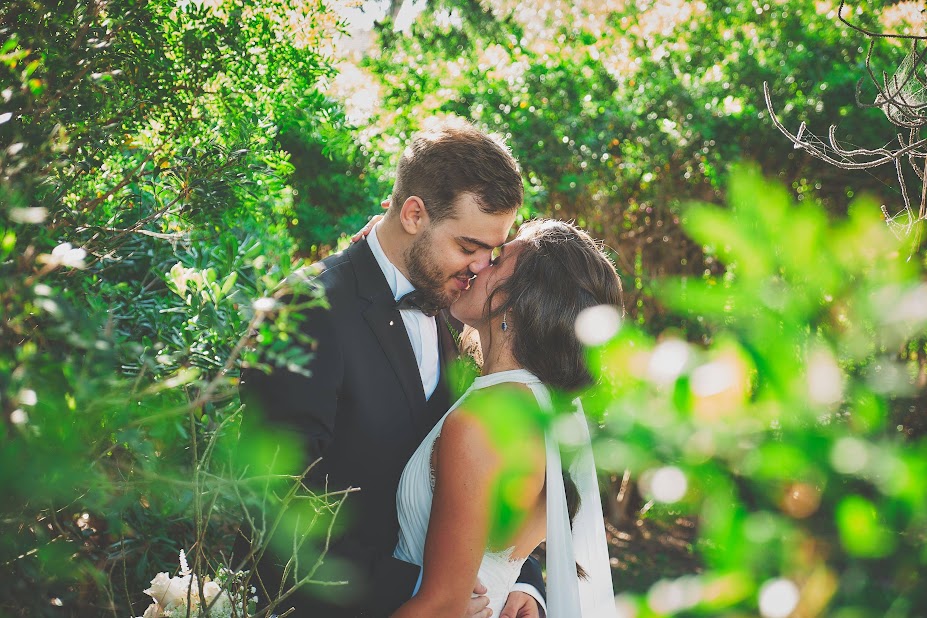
<point x="453" y="158"/>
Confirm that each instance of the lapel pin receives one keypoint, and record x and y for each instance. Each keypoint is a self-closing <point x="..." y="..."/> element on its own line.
<point x="390" y="322"/>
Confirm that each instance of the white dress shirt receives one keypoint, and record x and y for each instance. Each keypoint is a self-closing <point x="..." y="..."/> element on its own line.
<point x="422" y="330"/>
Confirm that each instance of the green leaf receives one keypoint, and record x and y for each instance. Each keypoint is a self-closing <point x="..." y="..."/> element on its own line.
<point x="228" y="284"/>
<point x="862" y="531"/>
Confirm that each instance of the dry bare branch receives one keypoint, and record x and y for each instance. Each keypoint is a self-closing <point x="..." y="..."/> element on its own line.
<point x="902" y="97"/>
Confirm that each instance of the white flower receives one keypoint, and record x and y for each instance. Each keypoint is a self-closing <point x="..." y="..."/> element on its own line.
<point x="153" y="611"/>
<point x="265" y="305"/>
<point x="185" y="278"/>
<point x="69" y="256"/>
<point x="171" y="595"/>
<point x="171" y="592"/>
<point x="211" y="590"/>
<point x="184" y="567"/>
<point x="65" y="255"/>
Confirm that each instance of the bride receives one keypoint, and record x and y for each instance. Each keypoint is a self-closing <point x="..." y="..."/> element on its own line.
<point x="524" y="308"/>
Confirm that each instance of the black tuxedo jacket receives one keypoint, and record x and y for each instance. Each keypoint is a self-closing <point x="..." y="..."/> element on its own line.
<point x="363" y="411"/>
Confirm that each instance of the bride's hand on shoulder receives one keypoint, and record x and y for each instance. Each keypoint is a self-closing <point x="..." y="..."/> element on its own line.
<point x="362" y="233"/>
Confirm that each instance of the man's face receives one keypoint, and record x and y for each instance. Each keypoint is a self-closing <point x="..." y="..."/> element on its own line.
<point x="447" y="254"/>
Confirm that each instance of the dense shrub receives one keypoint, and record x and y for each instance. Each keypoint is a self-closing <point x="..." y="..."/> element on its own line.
<point x="621" y="112"/>
<point x="144" y="204"/>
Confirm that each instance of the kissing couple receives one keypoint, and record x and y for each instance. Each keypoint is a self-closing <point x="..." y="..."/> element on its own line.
<point x="375" y="405"/>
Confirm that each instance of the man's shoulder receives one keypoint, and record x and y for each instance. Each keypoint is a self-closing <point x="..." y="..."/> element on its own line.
<point x="332" y="274"/>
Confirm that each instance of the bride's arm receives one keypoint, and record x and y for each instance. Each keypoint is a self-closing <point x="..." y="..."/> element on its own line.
<point x="467" y="470"/>
<point x="467" y="467"/>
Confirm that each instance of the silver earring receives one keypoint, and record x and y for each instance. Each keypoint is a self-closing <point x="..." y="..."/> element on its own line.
<point x="505" y="325"/>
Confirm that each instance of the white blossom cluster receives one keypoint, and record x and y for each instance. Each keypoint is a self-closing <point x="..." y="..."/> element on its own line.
<point x="171" y="595"/>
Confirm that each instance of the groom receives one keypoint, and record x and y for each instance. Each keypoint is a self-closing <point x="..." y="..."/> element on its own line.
<point x="376" y="384"/>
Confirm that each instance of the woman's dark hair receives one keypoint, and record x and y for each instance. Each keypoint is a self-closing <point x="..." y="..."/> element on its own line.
<point x="559" y="271"/>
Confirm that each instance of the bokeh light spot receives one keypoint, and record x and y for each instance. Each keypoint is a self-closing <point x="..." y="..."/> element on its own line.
<point x="778" y="598"/>
<point x="668" y="361"/>
<point x="800" y="500"/>
<point x="596" y="325"/>
<point x="625" y="606"/>
<point x="34" y="215"/>
<point x="825" y="381"/>
<point x="670" y="596"/>
<point x="713" y="379"/>
<point x="849" y="455"/>
<point x="666" y="484"/>
<point x="760" y="527"/>
<point x="27" y="397"/>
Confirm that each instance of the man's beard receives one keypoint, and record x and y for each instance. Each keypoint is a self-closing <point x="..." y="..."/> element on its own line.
<point x="425" y="274"/>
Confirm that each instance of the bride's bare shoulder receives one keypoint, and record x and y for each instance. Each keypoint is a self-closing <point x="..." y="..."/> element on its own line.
<point x="498" y="426"/>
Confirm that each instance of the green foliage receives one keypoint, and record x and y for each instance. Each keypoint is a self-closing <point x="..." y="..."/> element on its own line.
<point x="145" y="209"/>
<point x="334" y="191"/>
<point x="776" y="435"/>
<point x="515" y="425"/>
<point x="619" y="112"/>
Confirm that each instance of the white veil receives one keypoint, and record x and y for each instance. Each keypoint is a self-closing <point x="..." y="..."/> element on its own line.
<point x="568" y="596"/>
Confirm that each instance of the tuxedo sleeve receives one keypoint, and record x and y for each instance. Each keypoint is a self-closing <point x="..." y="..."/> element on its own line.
<point x="531" y="577"/>
<point x="306" y="404"/>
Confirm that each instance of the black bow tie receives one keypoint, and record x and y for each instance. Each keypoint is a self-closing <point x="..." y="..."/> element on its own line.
<point x="416" y="301"/>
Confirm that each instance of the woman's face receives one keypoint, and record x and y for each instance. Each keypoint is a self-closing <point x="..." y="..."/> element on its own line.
<point x="471" y="308"/>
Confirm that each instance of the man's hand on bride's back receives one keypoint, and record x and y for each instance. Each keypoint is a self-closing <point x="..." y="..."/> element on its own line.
<point x="362" y="233"/>
<point x="478" y="603"/>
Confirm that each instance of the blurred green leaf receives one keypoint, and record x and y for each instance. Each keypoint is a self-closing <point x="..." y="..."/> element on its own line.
<point x="861" y="531"/>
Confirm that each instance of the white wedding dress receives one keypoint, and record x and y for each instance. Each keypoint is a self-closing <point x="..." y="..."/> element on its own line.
<point x="567" y="596"/>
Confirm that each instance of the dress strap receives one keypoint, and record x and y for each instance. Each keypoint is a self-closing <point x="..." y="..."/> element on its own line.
<point x="520" y="376"/>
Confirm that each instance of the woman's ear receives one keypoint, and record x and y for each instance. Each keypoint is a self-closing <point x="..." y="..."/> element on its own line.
<point x="413" y="215"/>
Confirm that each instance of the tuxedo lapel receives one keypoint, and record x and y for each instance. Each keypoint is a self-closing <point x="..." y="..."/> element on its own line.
<point x="387" y="325"/>
<point x="447" y="354"/>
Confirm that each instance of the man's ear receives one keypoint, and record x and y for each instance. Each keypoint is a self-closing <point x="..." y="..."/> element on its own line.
<point x="413" y="216"/>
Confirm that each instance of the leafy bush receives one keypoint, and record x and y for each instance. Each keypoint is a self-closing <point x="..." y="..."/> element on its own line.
<point x="779" y="435"/>
<point x="619" y="112"/>
<point x="145" y="207"/>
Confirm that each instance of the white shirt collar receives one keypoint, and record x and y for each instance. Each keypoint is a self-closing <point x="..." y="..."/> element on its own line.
<point x="398" y="284"/>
